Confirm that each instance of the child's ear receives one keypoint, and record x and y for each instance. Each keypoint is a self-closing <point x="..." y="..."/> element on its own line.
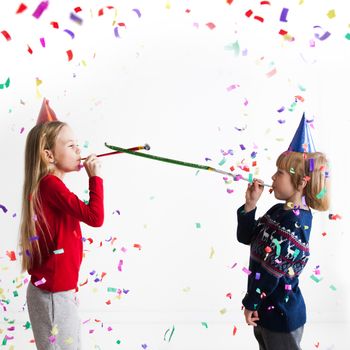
<point x="303" y="182"/>
<point x="48" y="156"/>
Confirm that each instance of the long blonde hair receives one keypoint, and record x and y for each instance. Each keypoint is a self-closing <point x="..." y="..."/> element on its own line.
<point x="312" y="167"/>
<point x="41" y="137"/>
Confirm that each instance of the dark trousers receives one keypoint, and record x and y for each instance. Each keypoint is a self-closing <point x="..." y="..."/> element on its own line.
<point x="269" y="340"/>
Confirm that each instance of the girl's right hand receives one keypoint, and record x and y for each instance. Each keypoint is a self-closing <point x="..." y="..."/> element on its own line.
<point x="92" y="165"/>
<point x="253" y="194"/>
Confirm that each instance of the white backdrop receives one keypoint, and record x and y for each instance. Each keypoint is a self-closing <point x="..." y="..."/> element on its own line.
<point x="193" y="92"/>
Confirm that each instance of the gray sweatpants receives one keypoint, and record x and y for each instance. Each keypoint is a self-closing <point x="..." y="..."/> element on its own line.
<point x="269" y="340"/>
<point x="54" y="318"/>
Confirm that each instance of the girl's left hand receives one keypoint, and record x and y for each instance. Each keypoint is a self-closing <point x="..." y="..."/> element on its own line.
<point x="251" y="317"/>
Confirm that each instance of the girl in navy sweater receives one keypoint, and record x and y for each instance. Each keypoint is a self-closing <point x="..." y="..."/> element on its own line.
<point x="279" y="247"/>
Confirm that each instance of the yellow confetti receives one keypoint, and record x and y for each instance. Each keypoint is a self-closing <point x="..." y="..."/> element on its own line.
<point x="168" y="5"/>
<point x="68" y="341"/>
<point x="331" y="14"/>
<point x="38" y="82"/>
<point x="223" y="311"/>
<point x="54" y="330"/>
<point x="291" y="272"/>
<point x="212" y="253"/>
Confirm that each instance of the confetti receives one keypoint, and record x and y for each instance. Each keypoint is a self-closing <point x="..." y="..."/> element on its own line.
<point x="234" y="330"/>
<point x="205" y="324"/>
<point x="69" y="32"/>
<point x="116" y="32"/>
<point x="21" y="8"/>
<point x="211" y="25"/>
<point x="284" y="13"/>
<point x="6" y="35"/>
<point x="324" y="36"/>
<point x="40" y="282"/>
<point x="4" y="209"/>
<point x="331" y="14"/>
<point x="42" y="42"/>
<point x="245" y="270"/>
<point x="40" y="9"/>
<point x="58" y="251"/>
<point x="321" y="194"/>
<point x="75" y="18"/>
<point x="70" y="55"/>
<point x="120" y="265"/>
<point x="137" y="12"/>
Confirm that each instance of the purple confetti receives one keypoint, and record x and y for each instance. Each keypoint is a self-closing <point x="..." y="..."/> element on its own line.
<point x="311" y="164"/>
<point x="3" y="208"/>
<point x="116" y="32"/>
<point x="75" y="18"/>
<point x="207" y="159"/>
<point x="281" y="121"/>
<point x="284" y="13"/>
<point x="280" y="110"/>
<point x="325" y="35"/>
<point x="257" y="275"/>
<point x="70" y="33"/>
<point x="40" y="9"/>
<point x="242" y="147"/>
<point x="137" y="12"/>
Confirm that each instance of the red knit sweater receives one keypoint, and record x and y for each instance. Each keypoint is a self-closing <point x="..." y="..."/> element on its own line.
<point x="61" y="244"/>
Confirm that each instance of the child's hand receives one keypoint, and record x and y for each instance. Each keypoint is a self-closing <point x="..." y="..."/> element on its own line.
<point x="253" y="194"/>
<point x="92" y="165"/>
<point x="251" y="317"/>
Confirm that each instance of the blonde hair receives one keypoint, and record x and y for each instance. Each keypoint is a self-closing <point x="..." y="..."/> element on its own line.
<point x="41" y="137"/>
<point x="312" y="167"/>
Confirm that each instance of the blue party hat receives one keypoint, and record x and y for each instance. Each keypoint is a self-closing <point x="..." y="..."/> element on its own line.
<point x="302" y="140"/>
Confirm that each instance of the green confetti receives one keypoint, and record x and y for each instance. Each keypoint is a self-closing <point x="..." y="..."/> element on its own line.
<point x="316" y="279"/>
<point x="222" y="161"/>
<point x="347" y="36"/>
<point x="118" y="342"/>
<point x="15" y="293"/>
<point x="332" y="287"/>
<point x="205" y="324"/>
<point x="198" y="225"/>
<point x="233" y="47"/>
<point x="250" y="178"/>
<point x="321" y="194"/>
<point x="27" y="325"/>
<point x="112" y="290"/>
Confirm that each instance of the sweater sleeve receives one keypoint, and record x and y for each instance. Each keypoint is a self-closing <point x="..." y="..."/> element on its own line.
<point x="287" y="258"/>
<point x="246" y="225"/>
<point x="59" y="197"/>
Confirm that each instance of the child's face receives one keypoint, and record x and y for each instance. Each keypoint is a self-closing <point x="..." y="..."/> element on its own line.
<point x="66" y="152"/>
<point x="282" y="185"/>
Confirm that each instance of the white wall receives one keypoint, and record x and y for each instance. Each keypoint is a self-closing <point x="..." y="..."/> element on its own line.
<point x="164" y="81"/>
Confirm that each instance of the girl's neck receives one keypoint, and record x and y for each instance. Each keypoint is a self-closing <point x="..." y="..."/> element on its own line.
<point x="296" y="201"/>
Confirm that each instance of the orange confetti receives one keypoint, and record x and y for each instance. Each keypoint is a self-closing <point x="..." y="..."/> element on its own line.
<point x="70" y="55"/>
<point x="83" y="284"/>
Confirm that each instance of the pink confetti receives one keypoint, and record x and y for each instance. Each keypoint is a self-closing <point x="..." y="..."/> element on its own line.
<point x="40" y="9"/>
<point x="247" y="271"/>
<point x="40" y="282"/>
<point x="120" y="265"/>
<point x="42" y="42"/>
<point x="211" y="25"/>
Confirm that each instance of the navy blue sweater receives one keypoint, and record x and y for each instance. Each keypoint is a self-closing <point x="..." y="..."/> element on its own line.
<point x="279" y="250"/>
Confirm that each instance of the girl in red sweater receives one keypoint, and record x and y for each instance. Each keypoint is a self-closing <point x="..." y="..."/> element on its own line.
<point x="50" y="234"/>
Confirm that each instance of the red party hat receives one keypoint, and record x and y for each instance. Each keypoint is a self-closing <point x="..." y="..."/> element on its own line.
<point x="46" y="114"/>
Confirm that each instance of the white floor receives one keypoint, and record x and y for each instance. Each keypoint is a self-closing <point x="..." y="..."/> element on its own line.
<point x="98" y="335"/>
